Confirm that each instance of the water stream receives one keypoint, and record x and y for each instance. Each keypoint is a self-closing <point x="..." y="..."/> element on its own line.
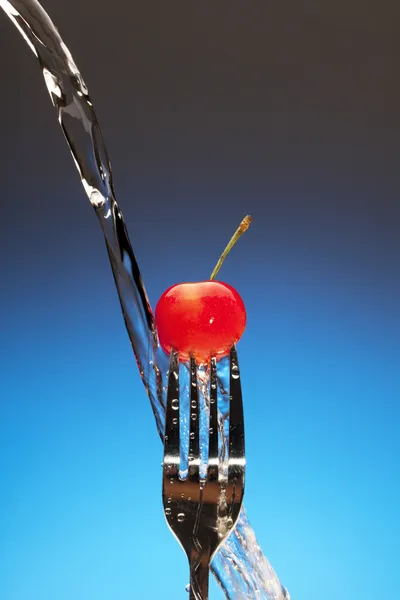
<point x="239" y="566"/>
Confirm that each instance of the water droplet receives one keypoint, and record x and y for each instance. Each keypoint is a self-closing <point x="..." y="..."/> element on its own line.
<point x="171" y="480"/>
<point x="182" y="495"/>
<point x="189" y="498"/>
<point x="235" y="372"/>
<point x="175" y="421"/>
<point x="168" y="511"/>
<point x="169" y="500"/>
<point x="193" y="403"/>
<point x="190" y="457"/>
<point x="229" y="522"/>
<point x="194" y="416"/>
<point x="211" y="430"/>
<point x="192" y="435"/>
<point x="180" y="517"/>
<point x="212" y="401"/>
<point x="187" y="588"/>
<point x="175" y="404"/>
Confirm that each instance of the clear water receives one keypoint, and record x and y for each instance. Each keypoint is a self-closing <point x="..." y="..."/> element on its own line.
<point x="239" y="566"/>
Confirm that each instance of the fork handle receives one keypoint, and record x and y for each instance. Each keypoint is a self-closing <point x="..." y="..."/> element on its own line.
<point x="199" y="572"/>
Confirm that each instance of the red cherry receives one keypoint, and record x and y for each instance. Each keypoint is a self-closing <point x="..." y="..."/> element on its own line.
<point x="202" y="319"/>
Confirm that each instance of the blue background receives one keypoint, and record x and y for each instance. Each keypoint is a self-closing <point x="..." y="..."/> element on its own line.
<point x="289" y="113"/>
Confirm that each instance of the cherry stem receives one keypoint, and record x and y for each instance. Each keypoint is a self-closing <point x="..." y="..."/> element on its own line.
<point x="244" y="225"/>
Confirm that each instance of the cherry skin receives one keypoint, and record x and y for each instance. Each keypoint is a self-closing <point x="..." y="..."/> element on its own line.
<point x="202" y="319"/>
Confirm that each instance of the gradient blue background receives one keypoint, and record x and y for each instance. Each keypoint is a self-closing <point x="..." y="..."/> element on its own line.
<point x="288" y="111"/>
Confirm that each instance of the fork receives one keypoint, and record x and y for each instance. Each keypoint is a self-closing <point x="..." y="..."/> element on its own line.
<point x="202" y="512"/>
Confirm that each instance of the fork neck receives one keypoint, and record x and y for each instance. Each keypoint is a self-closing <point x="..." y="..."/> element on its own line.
<point x="199" y="573"/>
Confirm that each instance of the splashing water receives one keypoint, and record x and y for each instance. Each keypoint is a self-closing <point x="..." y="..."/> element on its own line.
<point x="239" y="566"/>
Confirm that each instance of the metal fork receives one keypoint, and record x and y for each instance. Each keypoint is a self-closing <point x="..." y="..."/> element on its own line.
<point x="203" y="512"/>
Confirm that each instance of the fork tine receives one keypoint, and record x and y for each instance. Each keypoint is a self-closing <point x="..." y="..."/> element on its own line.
<point x="236" y="418"/>
<point x="213" y="432"/>
<point x="171" y="437"/>
<point x="194" y="436"/>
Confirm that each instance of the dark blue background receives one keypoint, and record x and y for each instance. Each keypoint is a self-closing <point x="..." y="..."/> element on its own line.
<point x="287" y="111"/>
